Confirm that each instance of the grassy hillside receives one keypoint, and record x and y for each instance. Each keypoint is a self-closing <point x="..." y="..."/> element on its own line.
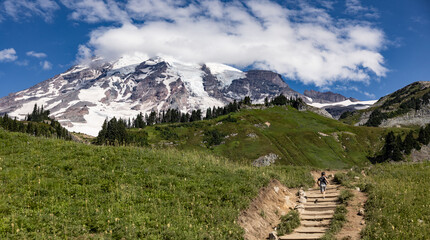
<point x="56" y="189"/>
<point x="298" y="137"/>
<point x="398" y="205"/>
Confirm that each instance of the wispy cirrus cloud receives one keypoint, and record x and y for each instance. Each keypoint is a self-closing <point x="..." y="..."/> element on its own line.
<point x="36" y="54"/>
<point x="8" y="55"/>
<point x="355" y="7"/>
<point x="94" y="11"/>
<point x="18" y="9"/>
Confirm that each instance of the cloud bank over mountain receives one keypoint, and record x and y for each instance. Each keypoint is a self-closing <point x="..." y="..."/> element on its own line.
<point x="304" y="43"/>
<point x="299" y="40"/>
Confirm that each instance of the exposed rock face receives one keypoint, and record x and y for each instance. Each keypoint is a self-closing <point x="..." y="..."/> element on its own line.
<point x="420" y="118"/>
<point x="326" y="97"/>
<point x="85" y="95"/>
<point x="260" y="84"/>
<point x="422" y="155"/>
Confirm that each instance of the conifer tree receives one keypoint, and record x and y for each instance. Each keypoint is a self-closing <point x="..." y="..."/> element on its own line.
<point x="408" y="143"/>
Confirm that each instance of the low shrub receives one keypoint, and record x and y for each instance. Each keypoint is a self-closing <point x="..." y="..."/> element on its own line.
<point x="289" y="222"/>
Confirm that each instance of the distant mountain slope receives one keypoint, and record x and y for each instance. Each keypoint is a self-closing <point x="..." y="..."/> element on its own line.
<point x="407" y="106"/>
<point x="296" y="137"/>
<point x="85" y="95"/>
<point x="333" y="103"/>
<point x="326" y="97"/>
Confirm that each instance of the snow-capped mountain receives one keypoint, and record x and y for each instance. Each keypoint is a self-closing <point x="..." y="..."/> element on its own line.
<point x="334" y="103"/>
<point x="326" y="97"/>
<point x="337" y="108"/>
<point x="85" y="95"/>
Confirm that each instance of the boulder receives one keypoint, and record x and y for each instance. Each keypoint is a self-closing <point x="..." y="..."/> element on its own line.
<point x="361" y="212"/>
<point x="265" y="160"/>
<point x="302" y="199"/>
<point x="273" y="236"/>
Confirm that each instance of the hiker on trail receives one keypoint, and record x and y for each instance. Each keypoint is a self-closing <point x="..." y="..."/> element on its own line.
<point x="323" y="182"/>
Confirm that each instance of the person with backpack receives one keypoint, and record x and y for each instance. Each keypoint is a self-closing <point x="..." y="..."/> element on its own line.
<point x="322" y="183"/>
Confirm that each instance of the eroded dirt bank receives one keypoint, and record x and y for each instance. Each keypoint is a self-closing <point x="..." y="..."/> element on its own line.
<point x="265" y="211"/>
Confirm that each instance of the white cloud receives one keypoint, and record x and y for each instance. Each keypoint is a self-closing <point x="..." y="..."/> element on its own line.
<point x="84" y="54"/>
<point x="369" y="95"/>
<point x="46" y="65"/>
<point x="26" y="8"/>
<point x="306" y="44"/>
<point x="8" y="55"/>
<point x="344" y="88"/>
<point x="355" y="7"/>
<point x="96" y="10"/>
<point x="22" y="63"/>
<point x="36" y="54"/>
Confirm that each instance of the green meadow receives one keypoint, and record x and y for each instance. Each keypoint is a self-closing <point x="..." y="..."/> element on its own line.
<point x="54" y="189"/>
<point x="399" y="202"/>
<point x="297" y="137"/>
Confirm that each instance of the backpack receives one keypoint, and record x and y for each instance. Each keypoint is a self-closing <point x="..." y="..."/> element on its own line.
<point x="322" y="180"/>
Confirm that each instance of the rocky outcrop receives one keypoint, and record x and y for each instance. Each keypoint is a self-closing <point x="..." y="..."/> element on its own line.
<point x="259" y="84"/>
<point x="420" y="118"/>
<point x="265" y="161"/>
<point x="421" y="155"/>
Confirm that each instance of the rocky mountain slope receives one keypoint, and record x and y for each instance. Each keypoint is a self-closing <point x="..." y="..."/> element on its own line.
<point x="407" y="106"/>
<point x="326" y="97"/>
<point x="85" y="95"/>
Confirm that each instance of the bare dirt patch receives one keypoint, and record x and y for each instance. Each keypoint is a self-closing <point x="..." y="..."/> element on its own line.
<point x="265" y="211"/>
<point x="355" y="223"/>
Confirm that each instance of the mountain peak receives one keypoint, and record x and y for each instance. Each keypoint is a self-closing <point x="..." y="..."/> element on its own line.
<point x="85" y="95"/>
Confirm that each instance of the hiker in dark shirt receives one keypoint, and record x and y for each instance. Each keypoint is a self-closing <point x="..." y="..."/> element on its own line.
<point x="323" y="182"/>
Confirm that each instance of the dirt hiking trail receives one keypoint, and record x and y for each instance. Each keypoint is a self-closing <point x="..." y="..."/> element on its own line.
<point x="315" y="214"/>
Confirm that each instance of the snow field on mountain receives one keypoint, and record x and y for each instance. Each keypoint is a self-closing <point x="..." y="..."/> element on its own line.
<point x="344" y="103"/>
<point x="224" y="73"/>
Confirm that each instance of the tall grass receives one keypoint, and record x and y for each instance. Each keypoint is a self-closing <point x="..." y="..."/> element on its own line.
<point x="399" y="202"/>
<point x="57" y="189"/>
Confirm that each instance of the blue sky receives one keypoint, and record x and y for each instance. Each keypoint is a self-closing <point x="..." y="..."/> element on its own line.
<point x="363" y="49"/>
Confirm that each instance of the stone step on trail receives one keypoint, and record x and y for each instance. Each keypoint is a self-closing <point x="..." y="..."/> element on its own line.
<point x="302" y="236"/>
<point x="321" y="200"/>
<point x="320" y="204"/>
<point x="307" y="223"/>
<point x="319" y="195"/>
<point x="327" y="190"/>
<point x="316" y="217"/>
<point x="320" y="207"/>
<point x="303" y="229"/>
<point x="317" y="213"/>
